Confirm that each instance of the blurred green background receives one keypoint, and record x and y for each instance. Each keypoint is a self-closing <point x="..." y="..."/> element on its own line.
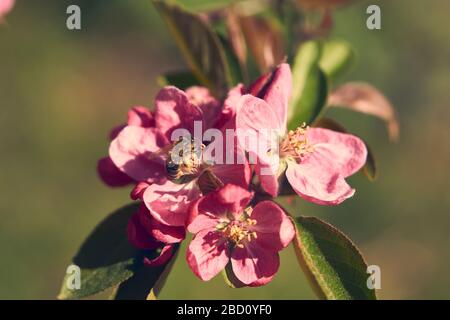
<point x="61" y="91"/>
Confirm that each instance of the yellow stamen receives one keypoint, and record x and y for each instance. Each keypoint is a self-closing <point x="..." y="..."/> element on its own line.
<point x="296" y="144"/>
<point x="238" y="231"/>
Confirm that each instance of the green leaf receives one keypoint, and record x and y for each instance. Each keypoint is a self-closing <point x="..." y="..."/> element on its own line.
<point x="332" y="263"/>
<point x="337" y="58"/>
<point x="236" y="75"/>
<point x="310" y="86"/>
<point x="200" y="46"/>
<point x="146" y="283"/>
<point x="106" y="258"/>
<point x="181" y="80"/>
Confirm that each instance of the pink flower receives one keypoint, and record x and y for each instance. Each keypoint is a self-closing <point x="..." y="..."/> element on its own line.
<point x="227" y="229"/>
<point x="5" y="7"/>
<point x="109" y="173"/>
<point x="145" y="153"/>
<point x="317" y="160"/>
<point x="142" y="117"/>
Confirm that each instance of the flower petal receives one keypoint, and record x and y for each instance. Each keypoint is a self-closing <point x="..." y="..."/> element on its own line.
<point x="237" y="174"/>
<point x="5" y="7"/>
<point x="163" y="258"/>
<point x="316" y="180"/>
<point x="115" y="131"/>
<point x="252" y="263"/>
<point x="160" y="232"/>
<point x="274" y="229"/>
<point x="169" y="202"/>
<point x="258" y="126"/>
<point x="165" y="233"/>
<point x="268" y="176"/>
<point x="228" y="158"/>
<point x="207" y="254"/>
<point x="132" y="153"/>
<point x="278" y="91"/>
<point x="261" y="281"/>
<point x="138" y="190"/>
<point x="210" y="106"/>
<point x="348" y="152"/>
<point x="229" y="108"/>
<point x="111" y="175"/>
<point x="203" y="222"/>
<point x="140" y="117"/>
<point x="138" y="236"/>
<point x="228" y="199"/>
<point x="174" y="110"/>
<point x="256" y="88"/>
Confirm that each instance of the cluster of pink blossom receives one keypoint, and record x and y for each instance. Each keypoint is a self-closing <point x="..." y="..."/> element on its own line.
<point x="227" y="206"/>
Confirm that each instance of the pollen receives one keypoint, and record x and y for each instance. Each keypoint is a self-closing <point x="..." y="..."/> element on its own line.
<point x="296" y="143"/>
<point x="237" y="232"/>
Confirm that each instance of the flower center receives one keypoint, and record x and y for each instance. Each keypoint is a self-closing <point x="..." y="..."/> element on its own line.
<point x="296" y="144"/>
<point x="184" y="161"/>
<point x="238" y="231"/>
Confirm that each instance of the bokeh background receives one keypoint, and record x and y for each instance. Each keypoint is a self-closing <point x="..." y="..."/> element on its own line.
<point x="61" y="91"/>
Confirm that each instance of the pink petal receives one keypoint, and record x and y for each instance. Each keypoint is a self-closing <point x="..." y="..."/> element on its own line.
<point x="163" y="258"/>
<point x="174" y="110"/>
<point x="138" y="236"/>
<point x="268" y="176"/>
<point x="274" y="229"/>
<point x="230" y="163"/>
<point x="257" y="87"/>
<point x="230" y="105"/>
<point x="140" y="117"/>
<point x="115" y="131"/>
<point x="133" y="152"/>
<point x="111" y="175"/>
<point x="261" y="281"/>
<point x="278" y="91"/>
<point x="237" y="174"/>
<point x="165" y="233"/>
<point x="347" y="151"/>
<point x="210" y="106"/>
<point x="203" y="222"/>
<point x="316" y="180"/>
<point x="169" y="202"/>
<point x="192" y="213"/>
<point x="207" y="254"/>
<point x="257" y="121"/>
<point x="138" y="190"/>
<point x="161" y="232"/>
<point x="252" y="263"/>
<point x="230" y="199"/>
<point x="5" y="7"/>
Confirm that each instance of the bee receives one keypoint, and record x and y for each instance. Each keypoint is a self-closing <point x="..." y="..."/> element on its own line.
<point x="184" y="161"/>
